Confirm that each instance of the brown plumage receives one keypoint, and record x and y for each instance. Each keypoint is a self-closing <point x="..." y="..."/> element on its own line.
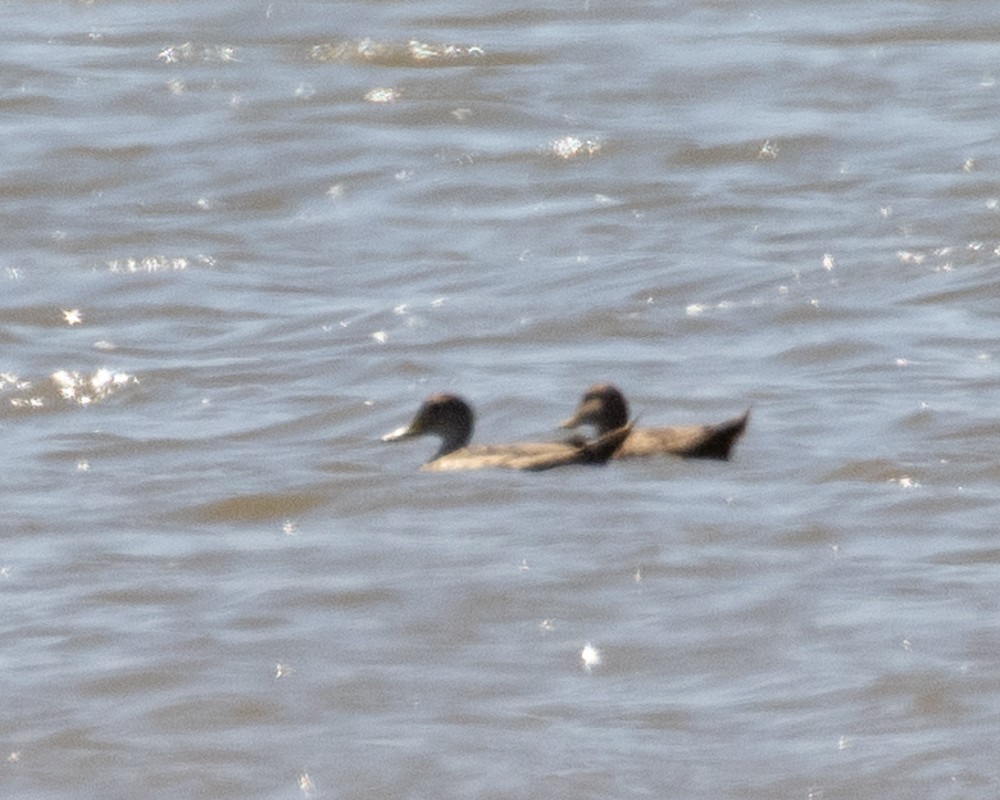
<point x="450" y="418"/>
<point x="603" y="406"/>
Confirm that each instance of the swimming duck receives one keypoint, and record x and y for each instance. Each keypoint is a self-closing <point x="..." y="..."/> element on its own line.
<point x="604" y="407"/>
<point x="450" y="418"/>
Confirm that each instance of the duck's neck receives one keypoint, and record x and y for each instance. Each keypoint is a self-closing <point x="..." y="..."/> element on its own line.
<point x="615" y="415"/>
<point x="451" y="442"/>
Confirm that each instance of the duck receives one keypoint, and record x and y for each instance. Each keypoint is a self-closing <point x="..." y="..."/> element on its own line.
<point x="603" y="406"/>
<point x="450" y="418"/>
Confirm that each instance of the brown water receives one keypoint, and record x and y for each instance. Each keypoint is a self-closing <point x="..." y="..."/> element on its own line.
<point x="243" y="240"/>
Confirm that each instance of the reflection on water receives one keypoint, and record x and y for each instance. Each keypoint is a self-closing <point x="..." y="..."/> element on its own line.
<point x="62" y="387"/>
<point x="410" y="53"/>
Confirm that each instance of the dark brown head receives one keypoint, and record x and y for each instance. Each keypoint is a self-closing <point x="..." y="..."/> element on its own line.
<point x="444" y="415"/>
<point x="602" y="406"/>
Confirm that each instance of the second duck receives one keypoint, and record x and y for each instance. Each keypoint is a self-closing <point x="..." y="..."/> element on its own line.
<point x="603" y="406"/>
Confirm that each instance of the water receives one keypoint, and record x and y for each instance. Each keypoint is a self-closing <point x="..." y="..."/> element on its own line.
<point x="242" y="241"/>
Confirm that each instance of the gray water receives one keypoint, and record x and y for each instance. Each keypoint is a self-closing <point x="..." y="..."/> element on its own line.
<point x="243" y="240"/>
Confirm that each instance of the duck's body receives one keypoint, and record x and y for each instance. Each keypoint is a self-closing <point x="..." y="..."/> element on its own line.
<point x="530" y="456"/>
<point x="603" y="405"/>
<point x="450" y="418"/>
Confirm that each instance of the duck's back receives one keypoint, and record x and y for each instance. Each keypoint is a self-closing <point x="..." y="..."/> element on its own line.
<point x="533" y="456"/>
<point x="519" y="455"/>
<point x="686" y="441"/>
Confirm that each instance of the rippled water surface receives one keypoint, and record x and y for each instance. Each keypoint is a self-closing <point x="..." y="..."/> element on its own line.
<point x="241" y="241"/>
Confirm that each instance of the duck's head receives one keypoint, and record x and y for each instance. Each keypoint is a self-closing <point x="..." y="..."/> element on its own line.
<point x="602" y="406"/>
<point x="444" y="415"/>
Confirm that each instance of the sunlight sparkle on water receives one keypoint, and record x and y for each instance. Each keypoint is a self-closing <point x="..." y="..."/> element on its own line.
<point x="10" y="379"/>
<point x="151" y="264"/>
<point x="590" y="656"/>
<point x="908" y="257"/>
<point x="394" y="52"/>
<point x="189" y="52"/>
<point x="306" y="785"/>
<point x="84" y="389"/>
<point x="382" y="94"/>
<point x="72" y="386"/>
<point x="171" y="55"/>
<point x="768" y="150"/>
<point x="568" y="147"/>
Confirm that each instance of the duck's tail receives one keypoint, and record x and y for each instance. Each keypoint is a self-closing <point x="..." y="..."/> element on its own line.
<point x="720" y="439"/>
